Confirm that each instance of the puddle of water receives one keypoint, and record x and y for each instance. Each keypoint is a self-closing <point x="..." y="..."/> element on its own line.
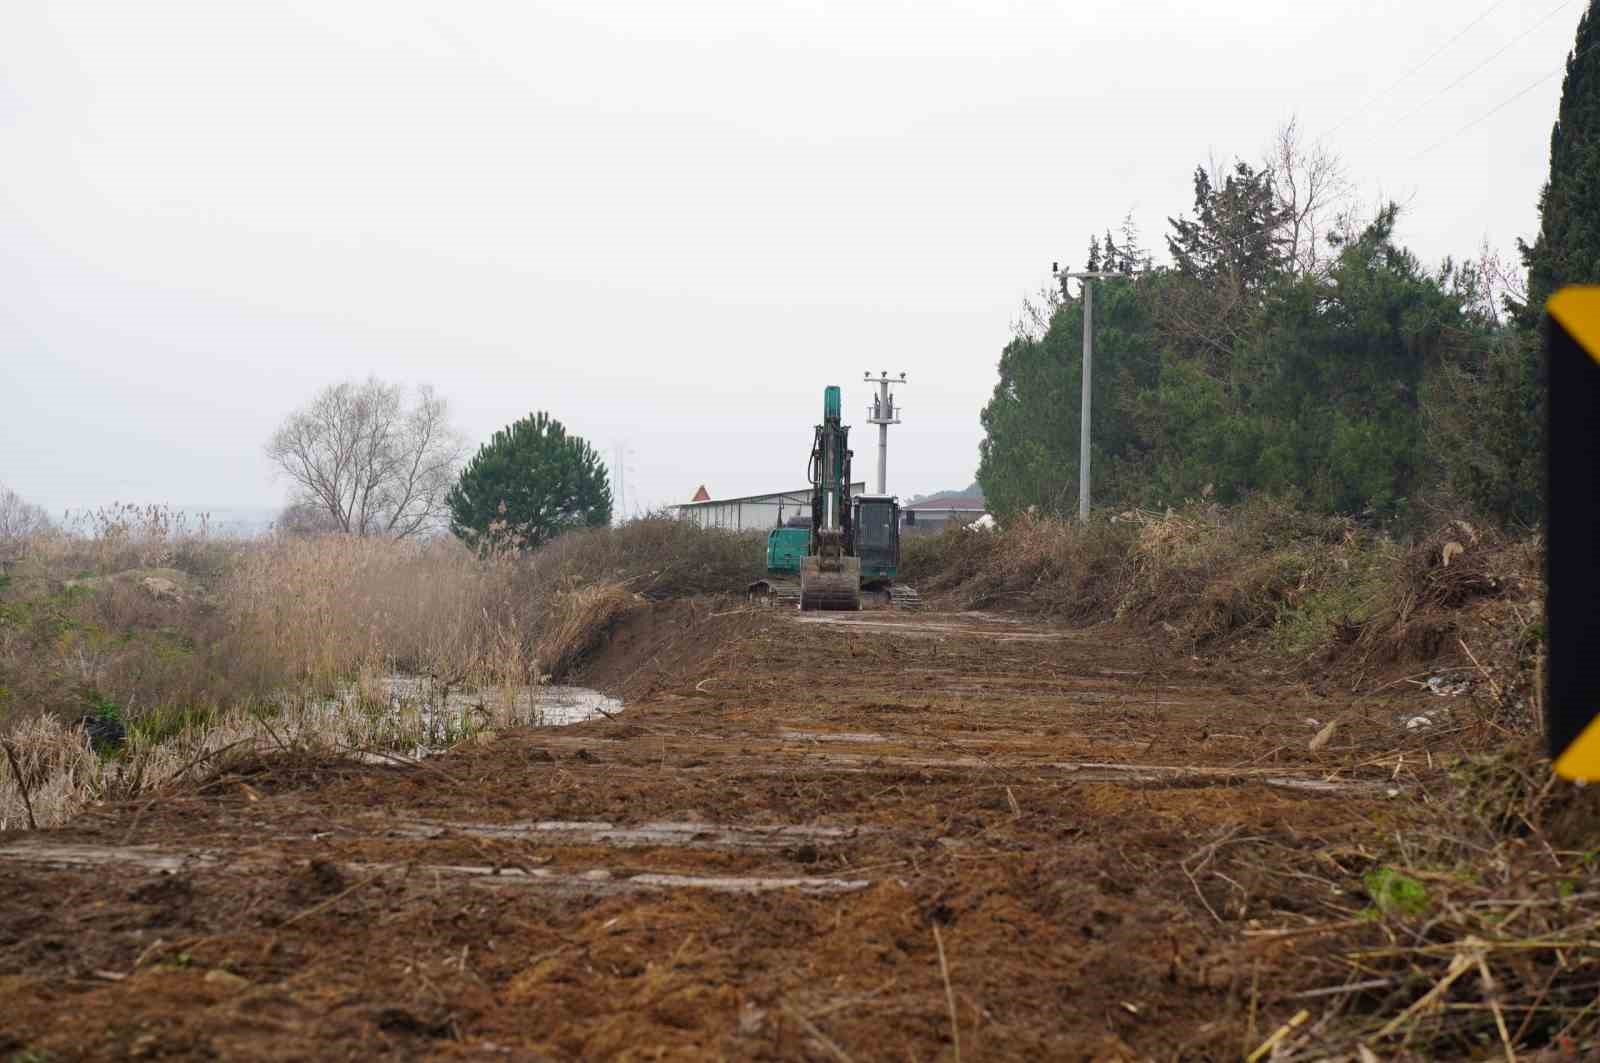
<point x="419" y="716"/>
<point x="542" y="706"/>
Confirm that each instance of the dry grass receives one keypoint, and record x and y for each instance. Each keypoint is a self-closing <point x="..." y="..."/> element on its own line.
<point x="576" y="620"/>
<point x="121" y="537"/>
<point x="1207" y="570"/>
<point x="63" y="774"/>
<point x="1478" y="935"/>
<point x="314" y="612"/>
<point x="197" y="644"/>
<point x="1041" y="565"/>
<point x="1304" y="593"/>
<point x="656" y="557"/>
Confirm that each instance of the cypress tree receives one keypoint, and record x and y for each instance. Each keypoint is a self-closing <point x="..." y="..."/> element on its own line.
<point x="1567" y="250"/>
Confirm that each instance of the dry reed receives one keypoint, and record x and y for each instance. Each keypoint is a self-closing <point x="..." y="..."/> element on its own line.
<point x="197" y="644"/>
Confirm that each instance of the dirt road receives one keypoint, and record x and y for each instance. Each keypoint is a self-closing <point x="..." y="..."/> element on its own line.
<point x="838" y="837"/>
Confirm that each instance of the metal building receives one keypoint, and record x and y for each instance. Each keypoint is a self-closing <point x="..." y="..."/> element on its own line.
<point x="940" y="511"/>
<point x="757" y="512"/>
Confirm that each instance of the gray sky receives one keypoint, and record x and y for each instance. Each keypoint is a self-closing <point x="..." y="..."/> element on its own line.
<point x="668" y="224"/>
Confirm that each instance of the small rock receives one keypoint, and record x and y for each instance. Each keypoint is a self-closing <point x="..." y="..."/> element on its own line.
<point x="162" y="589"/>
<point x="1417" y="722"/>
<point x="599" y="874"/>
<point x="1321" y="738"/>
<point x="217" y="976"/>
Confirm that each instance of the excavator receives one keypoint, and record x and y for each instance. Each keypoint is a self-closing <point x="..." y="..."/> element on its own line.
<point x="848" y="551"/>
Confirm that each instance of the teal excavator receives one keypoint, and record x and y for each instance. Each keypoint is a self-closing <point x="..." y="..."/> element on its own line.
<point x="848" y="550"/>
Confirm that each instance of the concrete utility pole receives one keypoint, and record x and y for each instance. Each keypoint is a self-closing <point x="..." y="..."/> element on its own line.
<point x="619" y="479"/>
<point x="883" y="413"/>
<point x="1088" y="368"/>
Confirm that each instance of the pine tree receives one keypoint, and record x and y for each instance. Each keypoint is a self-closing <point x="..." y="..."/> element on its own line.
<point x="1567" y="250"/>
<point x="1236" y="231"/>
<point x="1134" y="256"/>
<point x="528" y="484"/>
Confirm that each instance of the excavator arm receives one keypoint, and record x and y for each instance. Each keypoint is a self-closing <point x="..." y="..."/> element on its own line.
<point x="830" y="573"/>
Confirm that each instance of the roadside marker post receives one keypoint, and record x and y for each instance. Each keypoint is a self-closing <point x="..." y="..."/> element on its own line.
<point x="1572" y="591"/>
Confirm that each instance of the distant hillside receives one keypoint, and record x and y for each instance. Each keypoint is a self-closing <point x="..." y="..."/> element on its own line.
<point x="971" y="489"/>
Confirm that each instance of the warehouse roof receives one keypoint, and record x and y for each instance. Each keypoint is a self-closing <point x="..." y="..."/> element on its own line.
<point x="954" y="500"/>
<point x="802" y="494"/>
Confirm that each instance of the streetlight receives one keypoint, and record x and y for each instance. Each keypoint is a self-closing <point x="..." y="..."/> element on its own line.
<point x="1088" y="364"/>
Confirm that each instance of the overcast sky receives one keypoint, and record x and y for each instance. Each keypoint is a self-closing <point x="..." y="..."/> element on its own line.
<point x="668" y="224"/>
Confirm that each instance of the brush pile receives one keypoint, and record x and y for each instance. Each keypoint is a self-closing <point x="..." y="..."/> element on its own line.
<point x="657" y="557"/>
<point x="1298" y="590"/>
<point x="1479" y="934"/>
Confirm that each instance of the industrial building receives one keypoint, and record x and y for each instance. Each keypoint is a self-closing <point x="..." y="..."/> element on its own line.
<point x="940" y="511"/>
<point x="758" y="512"/>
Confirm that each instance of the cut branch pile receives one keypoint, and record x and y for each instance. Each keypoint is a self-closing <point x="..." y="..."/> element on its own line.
<point x="1480" y="939"/>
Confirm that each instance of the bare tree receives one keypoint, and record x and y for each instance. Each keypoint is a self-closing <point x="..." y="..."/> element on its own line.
<point x="374" y="464"/>
<point x="303" y="520"/>
<point x="1033" y="321"/>
<point x="19" y="519"/>
<point x="1314" y="193"/>
<point x="1506" y="284"/>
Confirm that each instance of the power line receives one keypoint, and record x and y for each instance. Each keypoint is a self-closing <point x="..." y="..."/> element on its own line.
<point x="1503" y="50"/>
<point x="1403" y="78"/>
<point x="1503" y="104"/>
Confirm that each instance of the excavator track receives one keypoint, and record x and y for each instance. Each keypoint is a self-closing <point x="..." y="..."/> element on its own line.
<point x="894" y="596"/>
<point x="903" y="597"/>
<point x="785" y="594"/>
<point x="776" y="593"/>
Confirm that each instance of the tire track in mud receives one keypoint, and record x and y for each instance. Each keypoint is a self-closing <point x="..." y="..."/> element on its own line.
<point x="596" y="881"/>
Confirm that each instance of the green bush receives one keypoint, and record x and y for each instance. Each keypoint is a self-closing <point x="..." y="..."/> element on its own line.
<point x="1394" y="893"/>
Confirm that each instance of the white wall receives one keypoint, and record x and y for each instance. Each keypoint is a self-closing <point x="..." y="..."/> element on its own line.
<point x="759" y="514"/>
<point x="762" y="513"/>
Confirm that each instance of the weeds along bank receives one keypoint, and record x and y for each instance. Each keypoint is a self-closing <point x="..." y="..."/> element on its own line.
<point x="191" y="644"/>
<point x="1293" y="591"/>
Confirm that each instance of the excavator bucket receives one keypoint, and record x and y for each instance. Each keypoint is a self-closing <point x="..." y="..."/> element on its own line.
<point x="831" y="583"/>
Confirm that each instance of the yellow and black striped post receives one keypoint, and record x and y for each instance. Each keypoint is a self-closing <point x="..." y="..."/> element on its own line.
<point x="1572" y="590"/>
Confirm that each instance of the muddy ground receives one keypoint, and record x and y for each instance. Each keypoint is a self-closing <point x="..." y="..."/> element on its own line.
<point x="867" y="836"/>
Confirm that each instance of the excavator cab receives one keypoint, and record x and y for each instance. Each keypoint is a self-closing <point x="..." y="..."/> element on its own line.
<point x="877" y="535"/>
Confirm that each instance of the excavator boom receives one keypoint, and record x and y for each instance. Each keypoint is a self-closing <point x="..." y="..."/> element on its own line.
<point x="830" y="573"/>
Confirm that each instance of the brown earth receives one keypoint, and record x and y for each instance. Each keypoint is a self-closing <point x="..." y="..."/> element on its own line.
<point x="854" y="837"/>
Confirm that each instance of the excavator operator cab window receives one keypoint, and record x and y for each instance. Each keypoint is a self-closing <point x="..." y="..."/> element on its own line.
<point x="875" y="526"/>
